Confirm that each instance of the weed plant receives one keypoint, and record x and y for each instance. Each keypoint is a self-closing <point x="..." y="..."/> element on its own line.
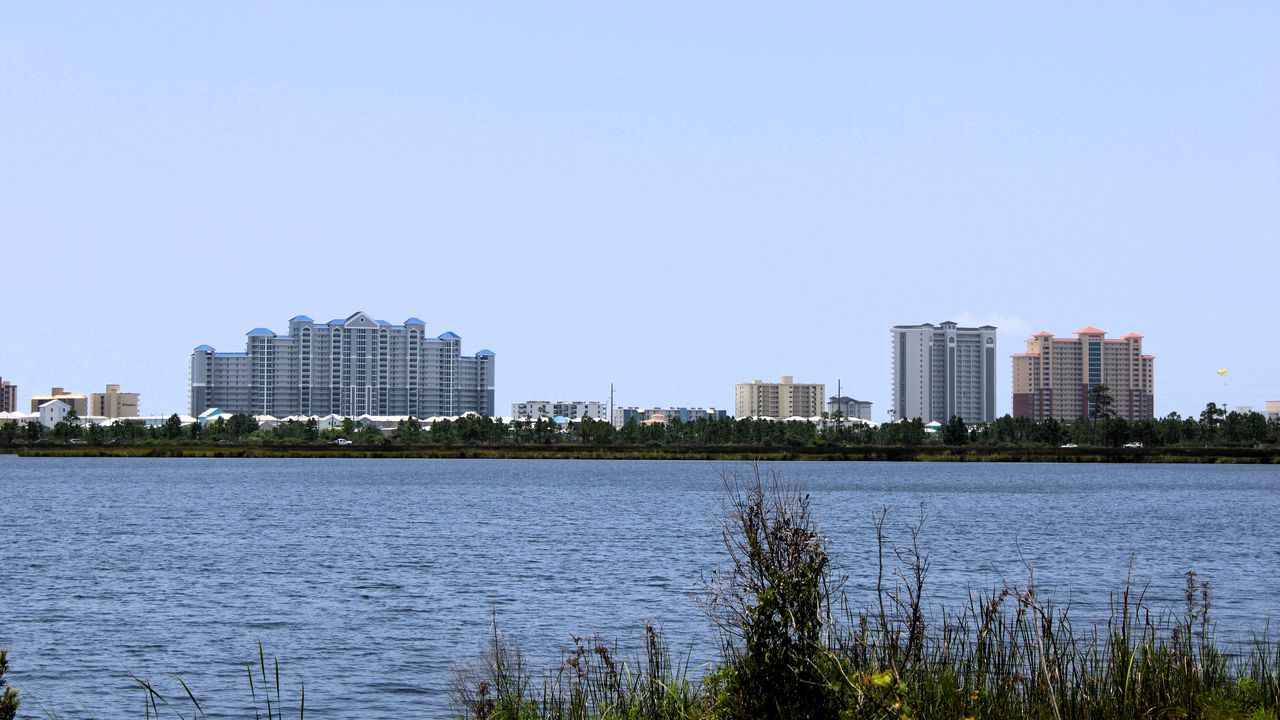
<point x="793" y="647"/>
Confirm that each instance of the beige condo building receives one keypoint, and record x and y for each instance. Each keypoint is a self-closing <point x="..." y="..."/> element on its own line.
<point x="75" y="401"/>
<point x="1052" y="378"/>
<point x="114" y="404"/>
<point x="779" y="400"/>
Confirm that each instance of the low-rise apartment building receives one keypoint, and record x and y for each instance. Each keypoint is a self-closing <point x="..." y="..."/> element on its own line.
<point x="642" y="415"/>
<point x="848" y="407"/>
<point x="570" y="409"/>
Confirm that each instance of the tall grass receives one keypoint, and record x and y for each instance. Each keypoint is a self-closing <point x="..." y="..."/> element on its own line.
<point x="1009" y="653"/>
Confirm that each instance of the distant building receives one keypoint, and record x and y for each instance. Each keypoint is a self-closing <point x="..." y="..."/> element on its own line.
<point x="780" y="400"/>
<point x="570" y="409"/>
<point x="53" y="412"/>
<point x="74" y="401"/>
<point x="848" y="407"/>
<point x="650" y="416"/>
<point x="1273" y="410"/>
<point x="8" y="396"/>
<point x="113" y="404"/>
<point x="1053" y="377"/>
<point x="944" y="371"/>
<point x="352" y="367"/>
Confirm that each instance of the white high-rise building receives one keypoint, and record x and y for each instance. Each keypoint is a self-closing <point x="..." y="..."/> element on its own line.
<point x="358" y="366"/>
<point x="944" y="371"/>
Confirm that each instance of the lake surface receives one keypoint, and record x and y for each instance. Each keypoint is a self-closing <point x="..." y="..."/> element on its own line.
<point x="372" y="580"/>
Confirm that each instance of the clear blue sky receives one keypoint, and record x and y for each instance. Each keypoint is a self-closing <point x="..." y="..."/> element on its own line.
<point x="671" y="197"/>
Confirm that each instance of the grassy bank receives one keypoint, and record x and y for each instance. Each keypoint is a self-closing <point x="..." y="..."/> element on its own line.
<point x="792" y="648"/>
<point x="928" y="453"/>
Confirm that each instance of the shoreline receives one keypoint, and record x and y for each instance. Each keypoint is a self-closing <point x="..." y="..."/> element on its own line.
<point x="1253" y="456"/>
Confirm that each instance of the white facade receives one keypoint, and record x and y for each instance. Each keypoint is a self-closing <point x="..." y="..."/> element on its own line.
<point x="53" y="412"/>
<point x="624" y="415"/>
<point x="944" y="371"/>
<point x="358" y="366"/>
<point x="571" y="409"/>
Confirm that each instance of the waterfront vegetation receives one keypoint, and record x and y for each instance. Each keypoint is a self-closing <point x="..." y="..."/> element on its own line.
<point x="795" y="645"/>
<point x="1215" y="435"/>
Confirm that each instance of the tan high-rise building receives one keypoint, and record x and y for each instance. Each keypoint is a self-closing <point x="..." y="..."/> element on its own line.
<point x="8" y="396"/>
<point x="1052" y="378"/>
<point x="113" y="403"/>
<point x="779" y="400"/>
<point x="75" y="401"/>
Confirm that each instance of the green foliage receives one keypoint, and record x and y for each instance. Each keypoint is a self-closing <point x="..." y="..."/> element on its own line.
<point x="1100" y="402"/>
<point x="172" y="428"/>
<point x="408" y="431"/>
<point x="955" y="432"/>
<point x="773" y="602"/>
<point x="8" y="696"/>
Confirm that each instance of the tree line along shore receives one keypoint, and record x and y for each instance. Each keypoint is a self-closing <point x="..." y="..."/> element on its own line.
<point x="1214" y="436"/>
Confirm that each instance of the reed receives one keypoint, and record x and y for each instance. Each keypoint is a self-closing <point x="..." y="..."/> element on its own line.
<point x="1009" y="653"/>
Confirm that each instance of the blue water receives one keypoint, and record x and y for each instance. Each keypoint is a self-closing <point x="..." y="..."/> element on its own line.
<point x="372" y="580"/>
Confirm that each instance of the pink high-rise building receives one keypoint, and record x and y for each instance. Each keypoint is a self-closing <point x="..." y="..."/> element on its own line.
<point x="1052" y="378"/>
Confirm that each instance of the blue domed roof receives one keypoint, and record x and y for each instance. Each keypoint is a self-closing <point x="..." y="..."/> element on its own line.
<point x="259" y="331"/>
<point x="203" y="348"/>
<point x="485" y="352"/>
<point x="384" y="323"/>
<point x="415" y="321"/>
<point x="301" y="318"/>
<point x="449" y="336"/>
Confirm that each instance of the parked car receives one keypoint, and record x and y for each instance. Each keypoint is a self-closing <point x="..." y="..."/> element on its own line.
<point x="1133" y="445"/>
<point x="342" y="441"/>
<point x="1069" y="445"/>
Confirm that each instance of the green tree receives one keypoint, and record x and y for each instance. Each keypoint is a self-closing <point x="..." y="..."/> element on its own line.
<point x="172" y="429"/>
<point x="1211" y="417"/>
<point x="240" y="426"/>
<point x="8" y="696"/>
<point x="369" y="434"/>
<point x="772" y="602"/>
<point x="408" y="431"/>
<point x="955" y="432"/>
<point x="1100" y="402"/>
